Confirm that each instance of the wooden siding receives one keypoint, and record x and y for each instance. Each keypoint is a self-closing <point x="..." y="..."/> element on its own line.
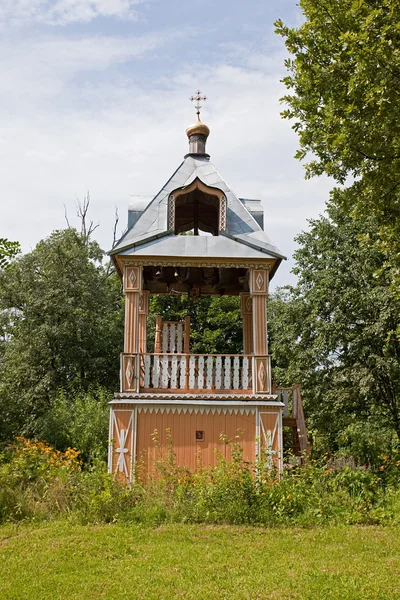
<point x="183" y="428"/>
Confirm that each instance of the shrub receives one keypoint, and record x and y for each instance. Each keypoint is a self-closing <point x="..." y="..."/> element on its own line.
<point x="38" y="482"/>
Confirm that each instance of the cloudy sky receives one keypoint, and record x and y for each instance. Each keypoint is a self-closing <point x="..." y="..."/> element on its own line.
<point x="94" y="97"/>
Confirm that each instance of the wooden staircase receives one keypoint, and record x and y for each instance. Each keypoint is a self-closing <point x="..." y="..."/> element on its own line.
<point x="295" y="431"/>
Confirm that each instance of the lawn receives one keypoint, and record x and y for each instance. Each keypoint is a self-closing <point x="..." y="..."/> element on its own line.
<point x="64" y="561"/>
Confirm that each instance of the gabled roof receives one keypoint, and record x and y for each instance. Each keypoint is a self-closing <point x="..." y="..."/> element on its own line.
<point x="241" y="227"/>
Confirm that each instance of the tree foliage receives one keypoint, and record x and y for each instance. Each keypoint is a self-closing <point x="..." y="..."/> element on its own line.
<point x="7" y="251"/>
<point x="215" y="322"/>
<point x="330" y="331"/>
<point x="344" y="79"/>
<point x="61" y="328"/>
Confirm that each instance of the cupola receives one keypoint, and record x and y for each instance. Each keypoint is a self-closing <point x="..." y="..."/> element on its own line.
<point x="198" y="132"/>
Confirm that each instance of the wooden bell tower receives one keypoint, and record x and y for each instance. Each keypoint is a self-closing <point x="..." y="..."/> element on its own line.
<point x="196" y="397"/>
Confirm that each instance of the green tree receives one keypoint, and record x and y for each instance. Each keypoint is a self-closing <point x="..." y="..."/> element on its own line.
<point x="330" y="330"/>
<point x="62" y="328"/>
<point x="215" y="322"/>
<point x="7" y="251"/>
<point x="344" y="79"/>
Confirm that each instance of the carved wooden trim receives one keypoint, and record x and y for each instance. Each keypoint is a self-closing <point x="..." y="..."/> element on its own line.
<point x="222" y="213"/>
<point x="122" y="441"/>
<point x="259" y="281"/>
<point x="171" y="212"/>
<point x="144" y="303"/>
<point x="195" y="262"/>
<point x="130" y="372"/>
<point x="262" y="375"/>
<point x="246" y="304"/>
<point x="132" y="278"/>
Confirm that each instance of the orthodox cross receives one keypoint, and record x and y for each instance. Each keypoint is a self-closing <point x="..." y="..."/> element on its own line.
<point x="198" y="97"/>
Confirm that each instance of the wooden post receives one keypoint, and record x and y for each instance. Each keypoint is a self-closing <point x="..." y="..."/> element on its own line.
<point x="246" y="305"/>
<point x="158" y="338"/>
<point x="143" y="312"/>
<point x="186" y="348"/>
<point x="186" y="339"/>
<point x="132" y="280"/>
<point x="132" y="290"/>
<point x="259" y="293"/>
<point x="261" y="363"/>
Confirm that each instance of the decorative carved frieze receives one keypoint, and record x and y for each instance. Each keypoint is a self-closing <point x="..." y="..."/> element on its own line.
<point x="195" y="262"/>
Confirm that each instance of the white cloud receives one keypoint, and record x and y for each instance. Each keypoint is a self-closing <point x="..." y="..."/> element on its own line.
<point x="63" y="12"/>
<point x="123" y="133"/>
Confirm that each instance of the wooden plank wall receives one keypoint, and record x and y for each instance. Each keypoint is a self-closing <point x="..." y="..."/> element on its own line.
<point x="183" y="430"/>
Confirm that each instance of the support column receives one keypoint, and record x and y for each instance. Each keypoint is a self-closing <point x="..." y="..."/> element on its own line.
<point x="261" y="362"/>
<point x="143" y="312"/>
<point x="130" y="364"/>
<point x="246" y="305"/>
<point x="132" y="290"/>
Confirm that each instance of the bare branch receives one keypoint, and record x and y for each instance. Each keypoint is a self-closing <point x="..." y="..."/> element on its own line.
<point x="66" y="217"/>
<point x="110" y="267"/>
<point x="82" y="211"/>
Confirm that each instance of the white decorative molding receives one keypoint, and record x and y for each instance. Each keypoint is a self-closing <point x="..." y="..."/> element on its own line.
<point x="195" y="410"/>
<point x="222" y="213"/>
<point x="121" y="442"/>
<point x="171" y="212"/>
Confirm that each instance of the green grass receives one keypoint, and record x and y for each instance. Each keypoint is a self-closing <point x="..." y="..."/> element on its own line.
<point x="63" y="561"/>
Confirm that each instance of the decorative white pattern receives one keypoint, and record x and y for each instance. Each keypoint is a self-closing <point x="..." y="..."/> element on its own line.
<point x="172" y="337"/>
<point x="193" y="372"/>
<point x="209" y="378"/>
<point x="122" y="437"/>
<point x="156" y="372"/>
<point x="236" y="366"/>
<point x="192" y="365"/>
<point x="174" y="372"/>
<point x="260" y="281"/>
<point x="218" y="373"/>
<point x="200" y="376"/>
<point x="179" y="341"/>
<point x="222" y="213"/>
<point x="165" y="337"/>
<point x="227" y="373"/>
<point x="182" y="379"/>
<point x="268" y="437"/>
<point x="121" y="464"/>
<point x="164" y="372"/>
<point x="196" y="410"/>
<point x="147" y="367"/>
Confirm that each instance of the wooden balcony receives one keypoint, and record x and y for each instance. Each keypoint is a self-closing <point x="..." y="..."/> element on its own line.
<point x="181" y="373"/>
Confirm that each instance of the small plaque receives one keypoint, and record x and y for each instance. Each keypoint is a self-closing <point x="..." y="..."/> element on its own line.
<point x="199" y="436"/>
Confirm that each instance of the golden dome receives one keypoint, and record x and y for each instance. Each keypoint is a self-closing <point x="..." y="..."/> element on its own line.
<point x="198" y="128"/>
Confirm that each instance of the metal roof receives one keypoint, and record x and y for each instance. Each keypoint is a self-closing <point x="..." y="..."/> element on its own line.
<point x="153" y="223"/>
<point x="199" y="246"/>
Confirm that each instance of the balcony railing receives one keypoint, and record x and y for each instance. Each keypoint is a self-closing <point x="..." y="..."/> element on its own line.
<point x="200" y="373"/>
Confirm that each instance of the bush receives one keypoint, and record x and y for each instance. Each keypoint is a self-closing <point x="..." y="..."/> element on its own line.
<point x="38" y="482"/>
<point x="79" y="421"/>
